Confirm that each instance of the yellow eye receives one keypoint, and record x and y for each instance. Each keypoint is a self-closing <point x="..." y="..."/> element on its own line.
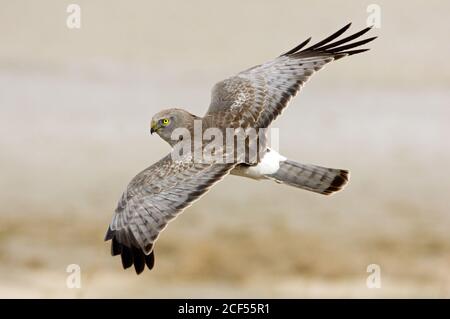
<point x="165" y="122"/>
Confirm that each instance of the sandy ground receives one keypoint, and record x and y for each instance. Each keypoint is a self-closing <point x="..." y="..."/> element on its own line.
<point x="74" y="130"/>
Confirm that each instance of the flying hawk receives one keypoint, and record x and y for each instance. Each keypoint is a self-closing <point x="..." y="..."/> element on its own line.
<point x="251" y="99"/>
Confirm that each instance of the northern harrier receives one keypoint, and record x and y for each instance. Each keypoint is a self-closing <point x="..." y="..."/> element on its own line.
<point x="251" y="99"/>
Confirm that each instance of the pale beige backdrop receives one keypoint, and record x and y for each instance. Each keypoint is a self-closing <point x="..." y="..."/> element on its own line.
<point x="75" y="107"/>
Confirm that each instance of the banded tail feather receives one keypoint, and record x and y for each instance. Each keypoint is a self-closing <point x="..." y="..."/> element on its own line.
<point x="314" y="178"/>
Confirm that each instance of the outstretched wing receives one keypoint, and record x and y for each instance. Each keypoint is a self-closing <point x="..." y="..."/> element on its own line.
<point x="255" y="97"/>
<point x="153" y="198"/>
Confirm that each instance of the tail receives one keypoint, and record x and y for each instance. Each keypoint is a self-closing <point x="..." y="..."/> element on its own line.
<point x="313" y="178"/>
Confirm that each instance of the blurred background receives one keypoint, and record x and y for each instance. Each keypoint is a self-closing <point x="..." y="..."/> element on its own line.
<point x="75" y="106"/>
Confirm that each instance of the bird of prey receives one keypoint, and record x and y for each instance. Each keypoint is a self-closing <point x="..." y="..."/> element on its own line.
<point x="251" y="99"/>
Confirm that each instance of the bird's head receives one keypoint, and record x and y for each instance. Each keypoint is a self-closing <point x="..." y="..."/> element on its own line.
<point x="165" y="122"/>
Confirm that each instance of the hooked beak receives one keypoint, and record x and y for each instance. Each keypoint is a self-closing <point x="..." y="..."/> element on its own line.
<point x="153" y="127"/>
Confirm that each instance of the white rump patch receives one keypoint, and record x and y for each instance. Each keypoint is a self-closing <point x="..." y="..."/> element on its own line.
<point x="269" y="164"/>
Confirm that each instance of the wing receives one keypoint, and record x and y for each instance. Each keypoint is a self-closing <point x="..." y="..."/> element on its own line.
<point x="255" y="97"/>
<point x="153" y="198"/>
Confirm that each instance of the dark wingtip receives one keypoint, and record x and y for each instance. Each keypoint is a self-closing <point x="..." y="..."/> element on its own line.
<point x="127" y="257"/>
<point x="139" y="260"/>
<point x="109" y="234"/>
<point x="298" y="47"/>
<point x="150" y="260"/>
<point x="330" y="38"/>
<point x="116" y="248"/>
<point x="345" y="40"/>
<point x="336" y="49"/>
<point x="132" y="256"/>
<point x="351" y="45"/>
